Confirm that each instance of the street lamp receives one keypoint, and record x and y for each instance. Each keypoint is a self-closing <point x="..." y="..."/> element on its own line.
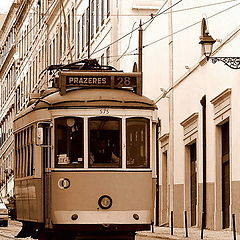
<point x="207" y="42"/>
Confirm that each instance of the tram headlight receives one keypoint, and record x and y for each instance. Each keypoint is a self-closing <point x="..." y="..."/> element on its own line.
<point x="64" y="183"/>
<point x="136" y="216"/>
<point x="105" y="202"/>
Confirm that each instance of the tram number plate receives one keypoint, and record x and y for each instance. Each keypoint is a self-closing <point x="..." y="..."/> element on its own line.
<point x="104" y="111"/>
<point x="125" y="81"/>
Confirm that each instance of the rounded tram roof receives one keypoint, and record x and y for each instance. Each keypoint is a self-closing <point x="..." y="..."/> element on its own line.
<point x="92" y="98"/>
<point x="95" y="98"/>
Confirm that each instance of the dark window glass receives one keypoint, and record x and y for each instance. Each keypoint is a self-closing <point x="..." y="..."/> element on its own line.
<point x="108" y="8"/>
<point x="102" y="12"/>
<point x="69" y="142"/>
<point x="104" y="142"/>
<point x="138" y="143"/>
<point x="92" y="18"/>
<point x="79" y="38"/>
<point x="73" y="24"/>
<point x="87" y="26"/>
<point x="97" y="15"/>
<point x="83" y="32"/>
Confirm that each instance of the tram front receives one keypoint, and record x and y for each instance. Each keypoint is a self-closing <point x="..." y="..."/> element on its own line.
<point x="103" y="157"/>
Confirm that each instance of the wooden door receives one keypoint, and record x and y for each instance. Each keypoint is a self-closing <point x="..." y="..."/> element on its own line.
<point x="193" y="184"/>
<point x="225" y="175"/>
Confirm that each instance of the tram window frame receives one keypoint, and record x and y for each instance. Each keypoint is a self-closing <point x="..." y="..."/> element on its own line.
<point x="64" y="160"/>
<point x="107" y="141"/>
<point x="143" y="146"/>
<point x="43" y="139"/>
<point x="24" y="151"/>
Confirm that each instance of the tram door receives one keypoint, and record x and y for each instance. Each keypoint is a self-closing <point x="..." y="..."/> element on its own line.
<point x="193" y="183"/>
<point x="44" y="138"/>
<point x="225" y="175"/>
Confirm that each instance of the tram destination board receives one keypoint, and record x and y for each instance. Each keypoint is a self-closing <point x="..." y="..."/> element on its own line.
<point x="98" y="80"/>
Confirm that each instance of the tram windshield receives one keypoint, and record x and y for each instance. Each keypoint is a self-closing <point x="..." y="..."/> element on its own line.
<point x="69" y="142"/>
<point x="138" y="143"/>
<point x="105" y="142"/>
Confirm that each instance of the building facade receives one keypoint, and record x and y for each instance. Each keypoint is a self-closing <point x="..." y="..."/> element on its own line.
<point x="198" y="112"/>
<point x="7" y="86"/>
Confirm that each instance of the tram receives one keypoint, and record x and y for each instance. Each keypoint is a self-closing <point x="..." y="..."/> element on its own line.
<point x="84" y="156"/>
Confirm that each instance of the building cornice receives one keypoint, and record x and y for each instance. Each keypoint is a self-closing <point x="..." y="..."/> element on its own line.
<point x="189" y="120"/>
<point x="221" y="96"/>
<point x="9" y="17"/>
<point x="7" y="61"/>
<point x="164" y="137"/>
<point x="21" y="13"/>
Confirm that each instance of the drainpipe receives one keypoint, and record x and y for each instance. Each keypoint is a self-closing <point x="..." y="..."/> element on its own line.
<point x="203" y="103"/>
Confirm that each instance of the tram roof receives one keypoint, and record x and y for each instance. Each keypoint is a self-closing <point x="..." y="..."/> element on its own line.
<point x="78" y="98"/>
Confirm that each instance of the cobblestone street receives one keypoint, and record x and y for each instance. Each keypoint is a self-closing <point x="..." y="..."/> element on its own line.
<point x="159" y="233"/>
<point x="179" y="233"/>
<point x="11" y="231"/>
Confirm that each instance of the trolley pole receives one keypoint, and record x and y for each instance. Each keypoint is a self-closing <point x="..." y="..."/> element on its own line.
<point x="140" y="57"/>
<point x="89" y="27"/>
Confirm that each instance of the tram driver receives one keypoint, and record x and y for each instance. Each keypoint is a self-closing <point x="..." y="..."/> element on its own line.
<point x="102" y="153"/>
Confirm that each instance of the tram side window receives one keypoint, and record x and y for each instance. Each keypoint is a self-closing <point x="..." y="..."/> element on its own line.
<point x="69" y="142"/>
<point x="24" y="153"/>
<point x="105" y="142"/>
<point x="138" y="143"/>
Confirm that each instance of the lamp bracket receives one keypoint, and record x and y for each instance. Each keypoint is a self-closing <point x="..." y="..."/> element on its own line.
<point x="232" y="62"/>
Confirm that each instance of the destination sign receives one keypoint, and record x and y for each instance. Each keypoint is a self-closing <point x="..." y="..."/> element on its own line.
<point x="101" y="81"/>
<point x="98" y="80"/>
<point x="88" y="81"/>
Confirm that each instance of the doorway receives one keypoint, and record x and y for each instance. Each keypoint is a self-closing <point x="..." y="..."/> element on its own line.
<point x="193" y="183"/>
<point x="225" y="175"/>
<point x="165" y="190"/>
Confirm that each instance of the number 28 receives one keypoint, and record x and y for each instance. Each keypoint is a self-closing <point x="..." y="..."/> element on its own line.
<point x="124" y="81"/>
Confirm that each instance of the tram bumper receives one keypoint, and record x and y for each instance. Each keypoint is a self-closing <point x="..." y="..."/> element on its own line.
<point x="102" y="217"/>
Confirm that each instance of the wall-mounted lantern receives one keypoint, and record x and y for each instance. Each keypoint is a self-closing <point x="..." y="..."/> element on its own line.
<point x="207" y="42"/>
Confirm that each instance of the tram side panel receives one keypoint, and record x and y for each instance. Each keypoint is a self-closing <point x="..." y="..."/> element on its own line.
<point x="131" y="193"/>
<point x="29" y="200"/>
<point x="29" y="186"/>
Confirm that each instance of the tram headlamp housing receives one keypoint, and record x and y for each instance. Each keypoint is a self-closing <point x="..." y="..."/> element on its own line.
<point x="136" y="216"/>
<point x="105" y="202"/>
<point x="64" y="183"/>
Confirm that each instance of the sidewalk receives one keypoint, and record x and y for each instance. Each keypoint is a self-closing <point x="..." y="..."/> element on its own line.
<point x="179" y="233"/>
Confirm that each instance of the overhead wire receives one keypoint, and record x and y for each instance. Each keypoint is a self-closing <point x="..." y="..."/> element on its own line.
<point x="68" y="33"/>
<point x="165" y="12"/>
<point x="153" y="17"/>
<point x="127" y="15"/>
<point x="130" y="38"/>
<point x="189" y="26"/>
<point x="183" y="29"/>
<point x="135" y="29"/>
<point x="101" y="41"/>
<point x="147" y="15"/>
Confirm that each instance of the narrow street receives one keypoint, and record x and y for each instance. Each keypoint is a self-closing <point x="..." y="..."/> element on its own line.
<point x="159" y="233"/>
<point x="11" y="231"/>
